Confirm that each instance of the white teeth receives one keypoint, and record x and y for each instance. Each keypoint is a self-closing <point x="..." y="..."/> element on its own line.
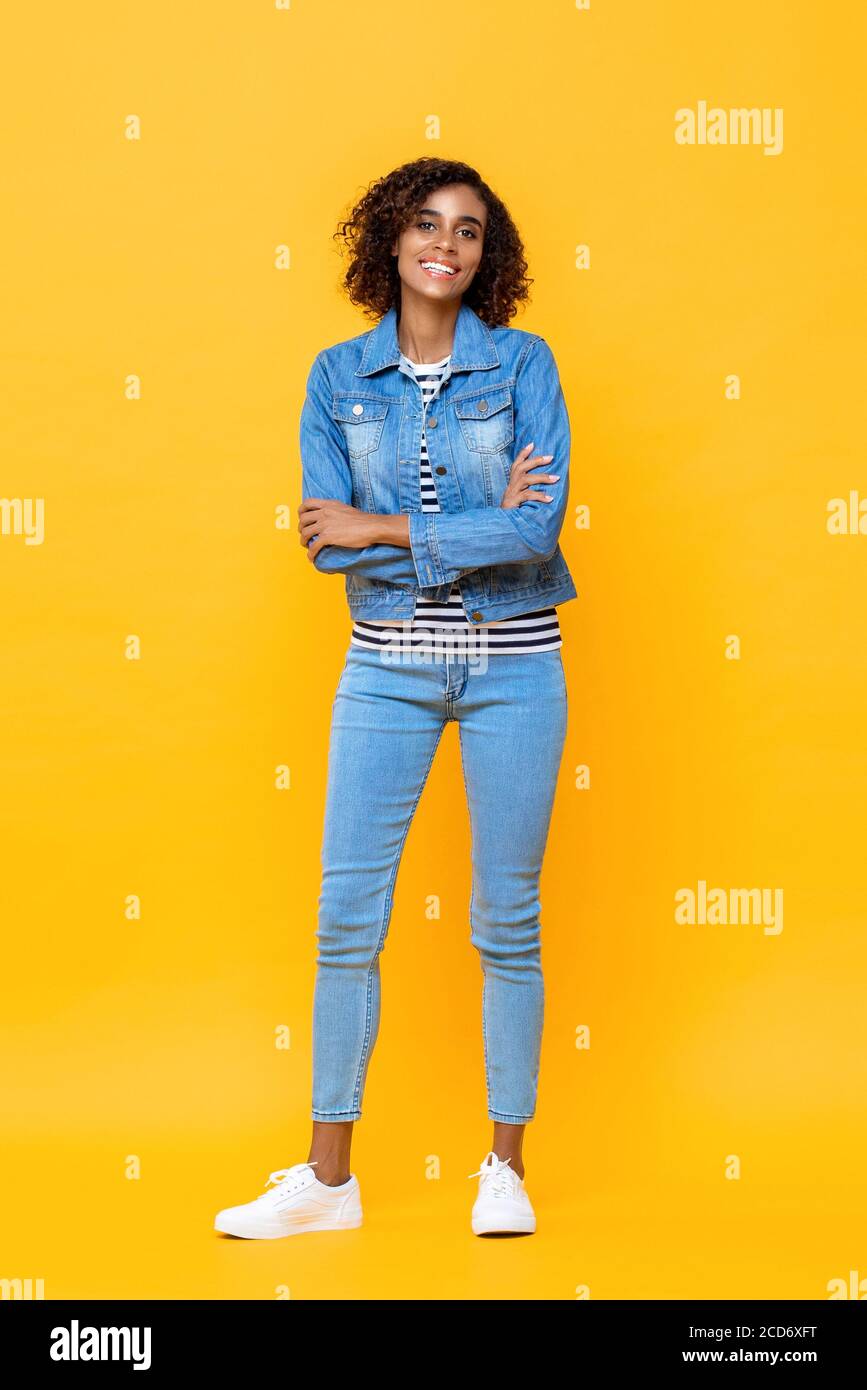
<point x="436" y="268"/>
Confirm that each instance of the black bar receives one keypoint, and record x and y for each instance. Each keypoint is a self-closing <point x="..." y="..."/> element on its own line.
<point x="251" y="1335"/>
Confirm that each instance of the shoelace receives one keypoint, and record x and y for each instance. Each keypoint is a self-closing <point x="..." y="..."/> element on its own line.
<point x="502" y="1180"/>
<point x="288" y="1176"/>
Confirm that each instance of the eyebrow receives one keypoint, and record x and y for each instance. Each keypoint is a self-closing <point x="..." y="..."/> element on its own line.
<point x="437" y="213"/>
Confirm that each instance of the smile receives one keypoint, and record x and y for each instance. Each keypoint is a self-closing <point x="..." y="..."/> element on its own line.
<point x="438" y="268"/>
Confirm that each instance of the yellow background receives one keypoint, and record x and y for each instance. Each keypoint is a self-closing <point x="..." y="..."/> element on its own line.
<point x="156" y="777"/>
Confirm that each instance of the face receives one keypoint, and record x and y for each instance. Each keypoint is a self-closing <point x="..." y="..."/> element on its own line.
<point x="449" y="231"/>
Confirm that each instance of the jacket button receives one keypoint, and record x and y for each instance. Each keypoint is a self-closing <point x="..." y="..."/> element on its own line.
<point x="442" y="470"/>
<point x="477" y="617"/>
<point x="483" y="405"/>
<point x="358" y="409"/>
<point x="432" y="424"/>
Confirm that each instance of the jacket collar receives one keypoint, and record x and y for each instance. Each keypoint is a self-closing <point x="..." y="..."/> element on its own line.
<point x="473" y="348"/>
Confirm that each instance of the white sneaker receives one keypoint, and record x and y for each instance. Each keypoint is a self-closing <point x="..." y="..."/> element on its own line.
<point x="502" y="1204"/>
<point x="298" y="1202"/>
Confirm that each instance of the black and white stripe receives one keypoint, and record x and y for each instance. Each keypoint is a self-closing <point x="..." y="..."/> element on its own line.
<point x="436" y="623"/>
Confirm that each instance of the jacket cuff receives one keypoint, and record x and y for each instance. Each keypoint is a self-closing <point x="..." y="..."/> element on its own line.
<point x="423" y="547"/>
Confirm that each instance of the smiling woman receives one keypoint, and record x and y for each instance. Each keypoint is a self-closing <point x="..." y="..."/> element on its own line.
<point x="402" y="205"/>
<point x="421" y="487"/>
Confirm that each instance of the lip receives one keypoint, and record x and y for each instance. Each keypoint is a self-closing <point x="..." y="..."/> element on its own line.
<point x="437" y="260"/>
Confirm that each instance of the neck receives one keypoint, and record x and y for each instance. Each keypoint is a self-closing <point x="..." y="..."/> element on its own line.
<point x="425" y="329"/>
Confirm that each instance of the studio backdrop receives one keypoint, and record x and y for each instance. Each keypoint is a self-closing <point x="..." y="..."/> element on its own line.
<point x="688" y="184"/>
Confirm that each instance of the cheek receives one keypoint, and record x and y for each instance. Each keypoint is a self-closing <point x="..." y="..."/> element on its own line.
<point x="411" y="247"/>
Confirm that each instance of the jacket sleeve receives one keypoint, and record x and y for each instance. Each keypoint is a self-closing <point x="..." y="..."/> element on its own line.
<point x="443" y="544"/>
<point x="326" y="473"/>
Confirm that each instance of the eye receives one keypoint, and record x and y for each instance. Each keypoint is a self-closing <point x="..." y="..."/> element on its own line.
<point x="468" y="230"/>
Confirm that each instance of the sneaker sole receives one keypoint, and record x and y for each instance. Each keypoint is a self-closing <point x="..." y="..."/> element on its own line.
<point x="247" y="1232"/>
<point x="489" y="1226"/>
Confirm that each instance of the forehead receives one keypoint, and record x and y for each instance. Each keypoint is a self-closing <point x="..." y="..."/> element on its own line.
<point x="457" y="201"/>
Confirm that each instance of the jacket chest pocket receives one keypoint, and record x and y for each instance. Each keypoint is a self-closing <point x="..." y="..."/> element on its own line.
<point x="487" y="421"/>
<point x="362" y="422"/>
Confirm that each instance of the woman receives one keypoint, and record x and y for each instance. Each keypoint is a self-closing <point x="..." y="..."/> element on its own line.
<point x="421" y="487"/>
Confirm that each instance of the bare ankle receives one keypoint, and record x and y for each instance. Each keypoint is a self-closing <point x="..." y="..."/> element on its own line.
<point x="330" y="1173"/>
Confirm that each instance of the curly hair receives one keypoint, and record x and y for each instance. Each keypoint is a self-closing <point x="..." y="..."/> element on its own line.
<point x="372" y="280"/>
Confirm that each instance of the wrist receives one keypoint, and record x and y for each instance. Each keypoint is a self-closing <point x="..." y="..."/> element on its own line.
<point x="389" y="529"/>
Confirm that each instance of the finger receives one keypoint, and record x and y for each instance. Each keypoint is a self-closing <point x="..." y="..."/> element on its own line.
<point x="518" y="487"/>
<point x="526" y="464"/>
<point x="535" y="497"/>
<point x="522" y="455"/>
<point x="309" y="513"/>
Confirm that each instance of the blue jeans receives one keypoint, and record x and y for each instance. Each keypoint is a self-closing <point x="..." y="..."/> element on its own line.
<point x="386" y="723"/>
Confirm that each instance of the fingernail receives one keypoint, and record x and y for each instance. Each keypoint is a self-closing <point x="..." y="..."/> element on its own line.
<point x="548" y="499"/>
<point x="530" y="445"/>
<point x="556" y="477"/>
<point x="548" y="457"/>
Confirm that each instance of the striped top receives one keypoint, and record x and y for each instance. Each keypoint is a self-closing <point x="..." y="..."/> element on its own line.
<point x="436" y="627"/>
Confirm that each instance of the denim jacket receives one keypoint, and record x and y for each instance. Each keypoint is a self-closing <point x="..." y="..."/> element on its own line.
<point x="361" y="426"/>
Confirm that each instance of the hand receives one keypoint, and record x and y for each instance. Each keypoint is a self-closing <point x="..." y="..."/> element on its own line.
<point x="332" y="523"/>
<point x="520" y="482"/>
